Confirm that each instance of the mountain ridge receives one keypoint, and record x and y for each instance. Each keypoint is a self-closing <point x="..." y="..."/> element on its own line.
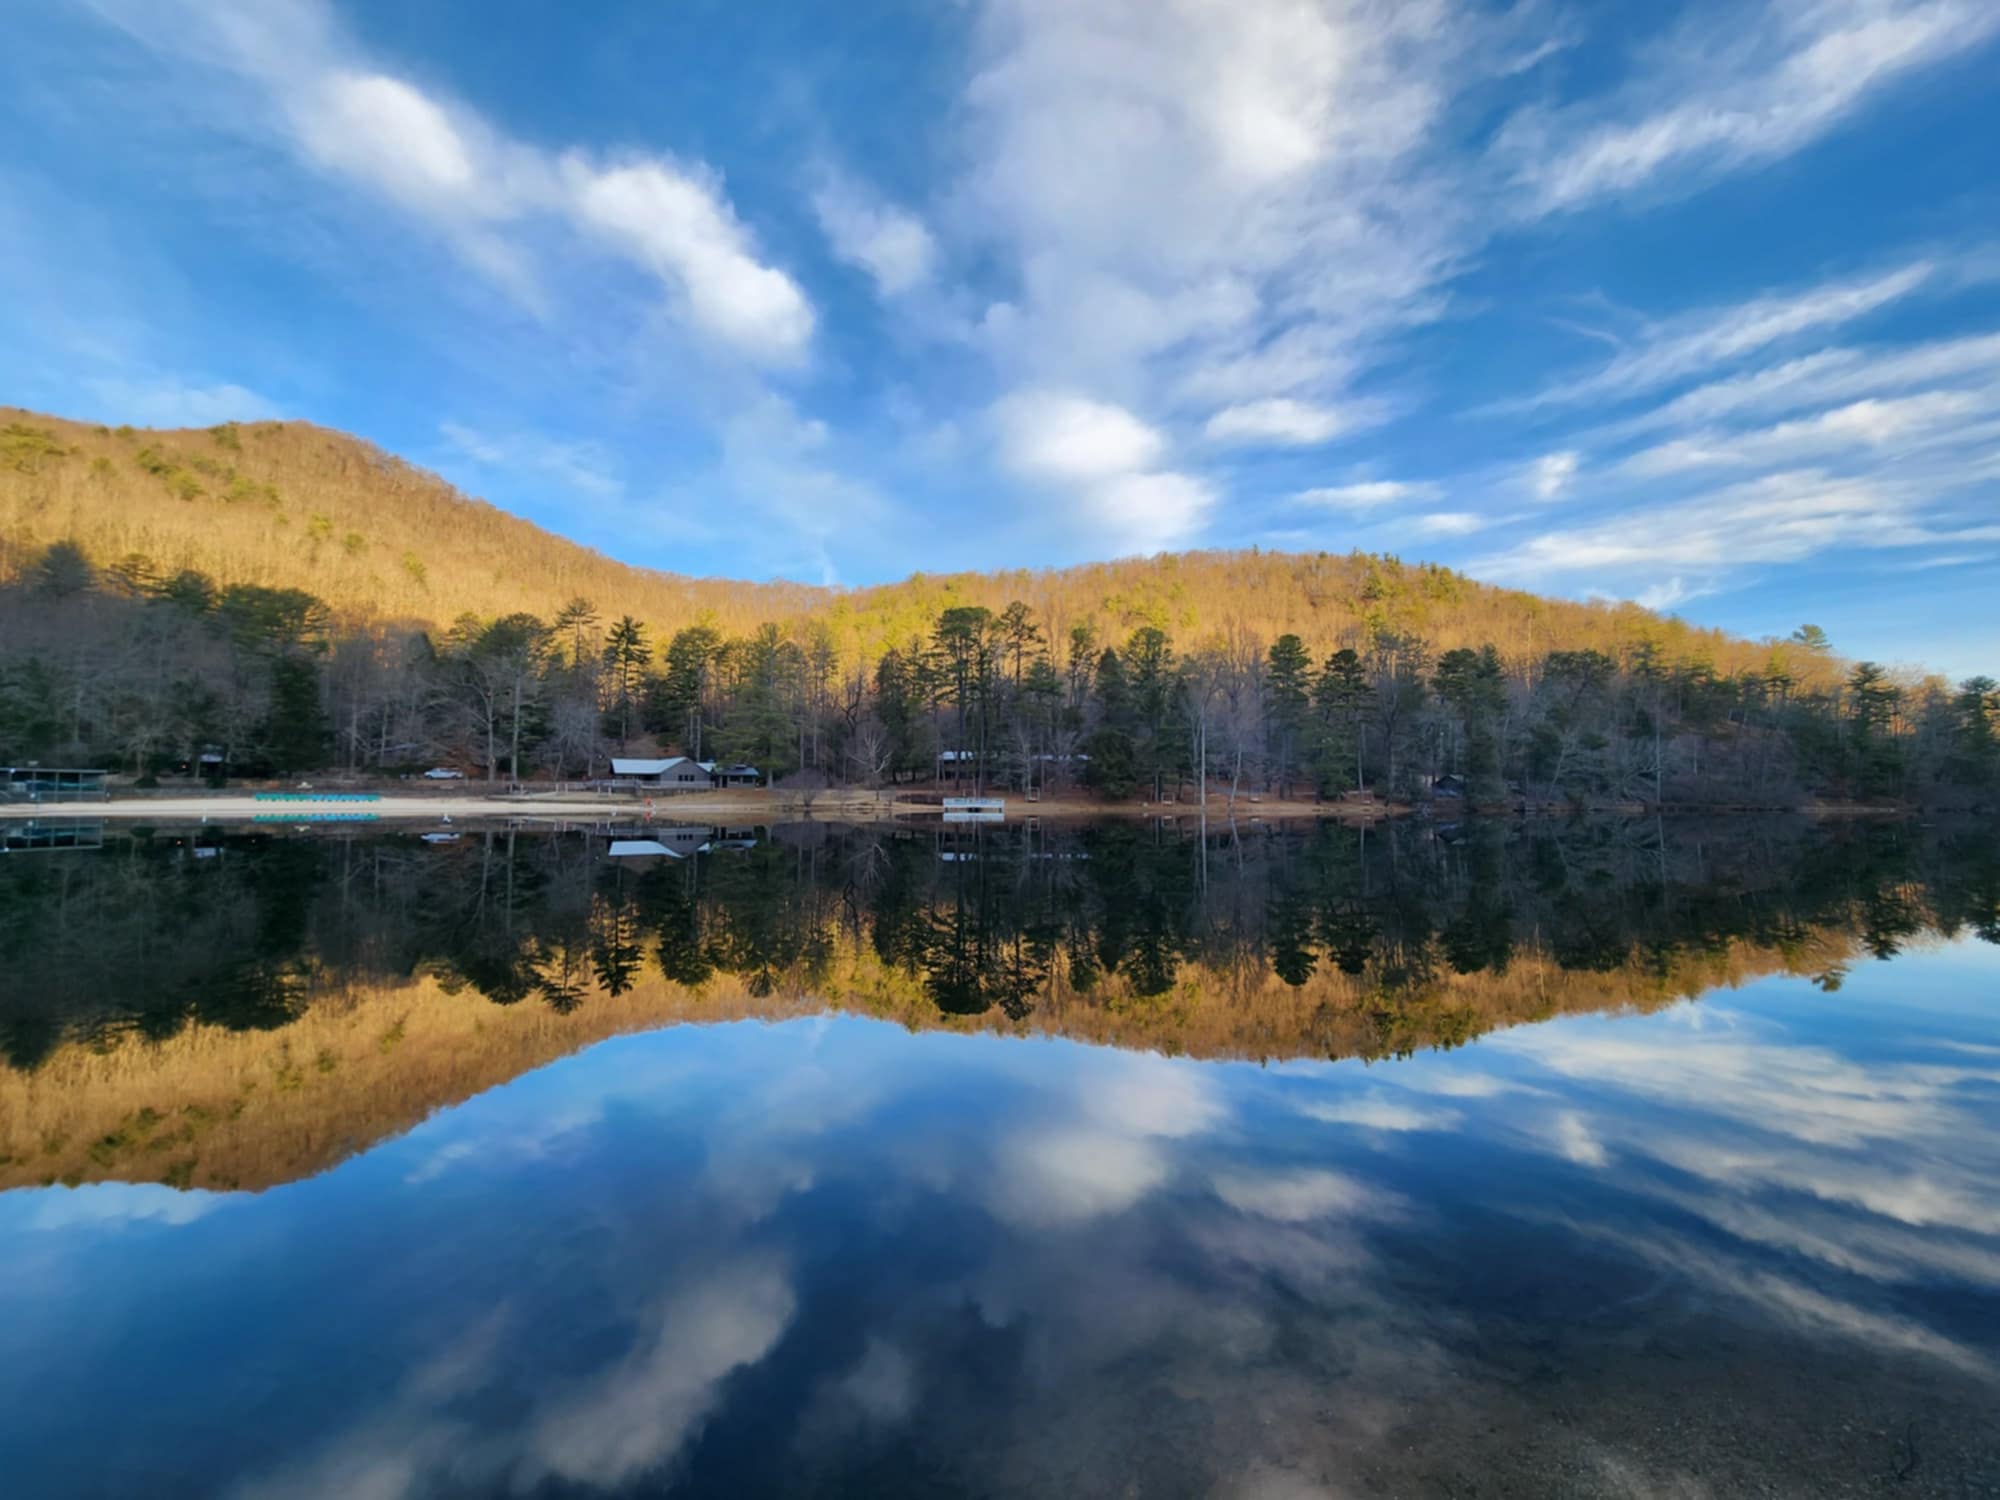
<point x="292" y="504"/>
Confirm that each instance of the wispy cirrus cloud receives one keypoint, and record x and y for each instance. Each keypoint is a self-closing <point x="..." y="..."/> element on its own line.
<point x="1733" y="86"/>
<point x="580" y="466"/>
<point x="1699" y="343"/>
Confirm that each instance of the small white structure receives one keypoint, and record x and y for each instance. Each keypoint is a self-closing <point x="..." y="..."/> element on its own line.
<point x="975" y="809"/>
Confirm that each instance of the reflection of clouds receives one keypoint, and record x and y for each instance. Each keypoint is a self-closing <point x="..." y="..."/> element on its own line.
<point x="1057" y="1177"/>
<point x="763" y="1143"/>
<point x="861" y="1403"/>
<point x="1574" y="1140"/>
<point x="637" y="1414"/>
<point x="1906" y="1195"/>
<point x="1806" y="1092"/>
<point x="1223" y="1351"/>
<point x="1928" y="1162"/>
<point x="880" y="1387"/>
<point x="1109" y="1155"/>
<point x="1294" y="1197"/>
<point x="1792" y="1302"/>
<point x="111" y="1205"/>
<point x="1377" y="1112"/>
<point x="1148" y="1095"/>
<point x="631" y="1418"/>
<point x="1458" y="1085"/>
<point x="1880" y="1252"/>
<point x="1886" y="1172"/>
<point x="1042" y="1268"/>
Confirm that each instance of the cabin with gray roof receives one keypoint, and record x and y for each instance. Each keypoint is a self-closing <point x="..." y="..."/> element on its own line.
<point x="673" y="773"/>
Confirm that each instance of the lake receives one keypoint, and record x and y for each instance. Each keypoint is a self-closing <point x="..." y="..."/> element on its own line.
<point x="1627" y="1158"/>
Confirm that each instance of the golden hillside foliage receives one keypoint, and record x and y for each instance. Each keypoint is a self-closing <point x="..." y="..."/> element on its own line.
<point x="222" y="1109"/>
<point x="289" y="504"/>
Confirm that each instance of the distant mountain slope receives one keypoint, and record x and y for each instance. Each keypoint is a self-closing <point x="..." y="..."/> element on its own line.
<point x="289" y="504"/>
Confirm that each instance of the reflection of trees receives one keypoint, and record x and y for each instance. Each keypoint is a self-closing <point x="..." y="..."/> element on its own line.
<point x="560" y="973"/>
<point x="144" y="936"/>
<point x="616" y="956"/>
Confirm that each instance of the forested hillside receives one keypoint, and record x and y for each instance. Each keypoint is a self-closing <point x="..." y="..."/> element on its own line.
<point x="291" y="506"/>
<point x="291" y="599"/>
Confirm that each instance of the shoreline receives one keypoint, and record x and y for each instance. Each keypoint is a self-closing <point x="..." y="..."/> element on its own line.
<point x="765" y="806"/>
<point x="699" y="807"/>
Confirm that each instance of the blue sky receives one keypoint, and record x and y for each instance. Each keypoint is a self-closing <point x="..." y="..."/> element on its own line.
<point x="1697" y="305"/>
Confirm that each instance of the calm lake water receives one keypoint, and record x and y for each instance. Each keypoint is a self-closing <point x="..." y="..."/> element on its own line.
<point x="1618" y="1159"/>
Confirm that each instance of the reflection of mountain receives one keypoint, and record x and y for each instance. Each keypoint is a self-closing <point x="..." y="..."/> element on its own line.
<point x="291" y="1001"/>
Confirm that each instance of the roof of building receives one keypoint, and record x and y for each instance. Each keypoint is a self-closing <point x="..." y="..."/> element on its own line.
<point x="621" y="766"/>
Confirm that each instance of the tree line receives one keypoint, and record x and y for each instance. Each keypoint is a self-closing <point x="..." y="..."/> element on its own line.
<point x="144" y="671"/>
<point x="1107" y="913"/>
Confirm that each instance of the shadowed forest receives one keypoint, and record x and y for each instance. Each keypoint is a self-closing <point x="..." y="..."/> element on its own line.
<point x="288" y="1000"/>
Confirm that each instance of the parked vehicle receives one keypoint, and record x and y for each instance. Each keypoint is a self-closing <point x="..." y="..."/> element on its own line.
<point x="443" y="773"/>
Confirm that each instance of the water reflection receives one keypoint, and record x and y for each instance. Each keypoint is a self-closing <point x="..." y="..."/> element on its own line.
<point x="1741" y="1244"/>
<point x="227" y="1011"/>
<point x="830" y="1256"/>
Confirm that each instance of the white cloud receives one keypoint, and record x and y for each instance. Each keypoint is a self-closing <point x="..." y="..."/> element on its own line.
<point x="1277" y="420"/>
<point x="1104" y="457"/>
<point x="889" y="243"/>
<point x="1213" y="206"/>
<point x="1147" y="512"/>
<point x="1450" y="523"/>
<point x="384" y="132"/>
<point x="1550" y="475"/>
<point x="487" y="194"/>
<point x="676" y="222"/>
<point x="1063" y="436"/>
<point x="1749" y="86"/>
<point x="1366" y="495"/>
